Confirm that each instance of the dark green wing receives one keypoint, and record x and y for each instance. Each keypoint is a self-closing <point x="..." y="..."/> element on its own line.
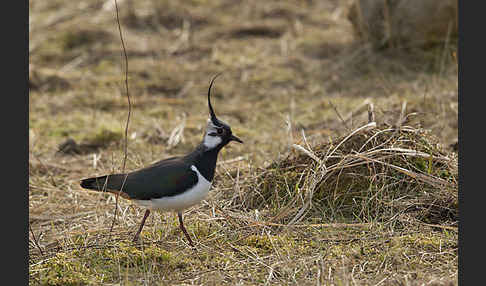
<point x="162" y="179"/>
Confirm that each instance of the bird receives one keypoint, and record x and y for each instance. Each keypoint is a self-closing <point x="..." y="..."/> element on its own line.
<point x="172" y="184"/>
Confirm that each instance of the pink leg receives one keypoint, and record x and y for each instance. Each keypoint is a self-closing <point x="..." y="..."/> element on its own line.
<point x="135" y="238"/>
<point x="184" y="229"/>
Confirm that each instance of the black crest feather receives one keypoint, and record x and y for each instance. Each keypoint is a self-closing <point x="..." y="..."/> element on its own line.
<point x="214" y="119"/>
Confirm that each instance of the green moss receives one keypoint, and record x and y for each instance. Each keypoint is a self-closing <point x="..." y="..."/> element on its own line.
<point x="65" y="269"/>
<point x="259" y="242"/>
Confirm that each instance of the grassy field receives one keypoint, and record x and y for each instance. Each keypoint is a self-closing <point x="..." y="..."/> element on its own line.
<point x="347" y="206"/>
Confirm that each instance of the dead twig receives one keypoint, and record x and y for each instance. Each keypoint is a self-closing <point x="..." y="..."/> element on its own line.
<point x="125" y="146"/>
<point x="338" y="114"/>
<point x="358" y="110"/>
<point x="35" y="240"/>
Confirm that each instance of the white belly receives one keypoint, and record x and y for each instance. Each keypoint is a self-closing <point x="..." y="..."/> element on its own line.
<point x="183" y="201"/>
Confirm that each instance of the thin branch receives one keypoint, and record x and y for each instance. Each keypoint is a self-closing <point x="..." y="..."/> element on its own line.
<point x="339" y="115"/>
<point x="126" y="86"/>
<point x="125" y="147"/>
<point x="357" y="111"/>
<point x="35" y="240"/>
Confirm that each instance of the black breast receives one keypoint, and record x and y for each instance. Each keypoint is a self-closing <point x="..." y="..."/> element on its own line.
<point x="205" y="161"/>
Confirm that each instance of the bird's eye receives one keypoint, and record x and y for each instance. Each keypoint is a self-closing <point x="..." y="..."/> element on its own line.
<point x="220" y="131"/>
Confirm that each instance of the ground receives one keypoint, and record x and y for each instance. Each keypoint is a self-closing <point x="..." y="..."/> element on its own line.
<point x="289" y="69"/>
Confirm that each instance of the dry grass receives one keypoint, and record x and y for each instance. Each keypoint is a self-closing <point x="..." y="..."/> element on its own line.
<point x="377" y="207"/>
<point x="379" y="175"/>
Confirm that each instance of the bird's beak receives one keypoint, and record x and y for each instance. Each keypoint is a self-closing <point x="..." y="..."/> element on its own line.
<point x="234" y="138"/>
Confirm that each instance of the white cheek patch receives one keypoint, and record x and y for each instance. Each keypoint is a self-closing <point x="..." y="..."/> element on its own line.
<point x="211" y="141"/>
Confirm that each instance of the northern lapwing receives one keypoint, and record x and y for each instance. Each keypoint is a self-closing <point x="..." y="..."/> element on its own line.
<point x="172" y="184"/>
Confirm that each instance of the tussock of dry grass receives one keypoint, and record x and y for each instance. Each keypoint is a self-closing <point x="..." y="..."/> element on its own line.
<point x="374" y="174"/>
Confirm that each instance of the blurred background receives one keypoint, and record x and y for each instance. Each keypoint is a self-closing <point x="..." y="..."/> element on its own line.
<point x="302" y="63"/>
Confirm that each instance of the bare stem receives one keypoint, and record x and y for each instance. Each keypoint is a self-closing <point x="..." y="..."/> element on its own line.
<point x="125" y="147"/>
<point x="35" y="240"/>
<point x="338" y="114"/>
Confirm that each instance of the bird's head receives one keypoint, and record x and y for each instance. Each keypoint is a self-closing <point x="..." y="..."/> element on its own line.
<point x="218" y="133"/>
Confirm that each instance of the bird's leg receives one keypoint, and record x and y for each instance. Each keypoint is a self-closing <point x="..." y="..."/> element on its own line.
<point x="135" y="238"/>
<point x="184" y="229"/>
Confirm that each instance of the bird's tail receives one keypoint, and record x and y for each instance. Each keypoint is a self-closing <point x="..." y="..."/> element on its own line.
<point x="109" y="183"/>
<point x="96" y="183"/>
